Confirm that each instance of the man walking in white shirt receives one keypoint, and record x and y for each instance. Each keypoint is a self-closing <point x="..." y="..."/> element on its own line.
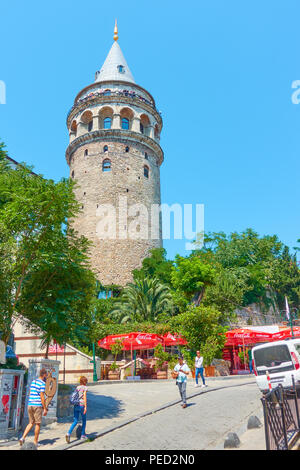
<point x="181" y="371"/>
<point x="199" y="369"/>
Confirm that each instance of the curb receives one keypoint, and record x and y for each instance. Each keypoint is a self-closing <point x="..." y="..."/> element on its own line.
<point x="125" y="382"/>
<point x="240" y="431"/>
<point x="146" y="413"/>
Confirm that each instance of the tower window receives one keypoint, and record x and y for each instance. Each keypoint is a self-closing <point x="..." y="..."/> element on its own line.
<point x="73" y="174"/>
<point x="106" y="165"/>
<point x="146" y="171"/>
<point x="125" y="123"/>
<point x="127" y="149"/>
<point x="90" y="126"/>
<point x="146" y="155"/>
<point x="121" y="68"/>
<point x="141" y="128"/>
<point x="86" y="152"/>
<point x="107" y="93"/>
<point x="105" y="148"/>
<point x="107" y="123"/>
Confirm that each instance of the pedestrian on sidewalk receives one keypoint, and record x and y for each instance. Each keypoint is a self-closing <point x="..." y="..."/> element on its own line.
<point x="199" y="369"/>
<point x="80" y="409"/>
<point x="36" y="407"/>
<point x="181" y="372"/>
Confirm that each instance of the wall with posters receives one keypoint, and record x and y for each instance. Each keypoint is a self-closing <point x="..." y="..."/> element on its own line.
<point x="74" y="363"/>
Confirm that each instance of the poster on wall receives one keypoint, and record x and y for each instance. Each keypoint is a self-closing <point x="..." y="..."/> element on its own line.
<point x="6" y="382"/>
<point x="2" y="352"/>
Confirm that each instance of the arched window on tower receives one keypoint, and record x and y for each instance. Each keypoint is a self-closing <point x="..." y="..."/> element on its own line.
<point x="125" y="123"/>
<point x="146" y="171"/>
<point x="107" y="123"/>
<point x="145" y="124"/>
<point x="121" y="68"/>
<point x="107" y="93"/>
<point x="127" y="149"/>
<point x="127" y="116"/>
<point x="105" y="117"/>
<point x="87" y="120"/>
<point x="106" y="165"/>
<point x="74" y="128"/>
<point x="86" y="152"/>
<point x="105" y="148"/>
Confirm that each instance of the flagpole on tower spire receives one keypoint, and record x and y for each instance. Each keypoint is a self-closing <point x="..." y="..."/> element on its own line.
<point x="116" y="36"/>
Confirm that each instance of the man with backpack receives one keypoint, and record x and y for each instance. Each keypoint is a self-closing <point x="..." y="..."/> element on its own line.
<point x="78" y="399"/>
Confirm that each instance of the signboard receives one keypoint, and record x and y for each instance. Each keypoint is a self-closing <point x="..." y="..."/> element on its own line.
<point x="55" y="348"/>
<point x="52" y="368"/>
<point x="2" y="352"/>
<point x="6" y="381"/>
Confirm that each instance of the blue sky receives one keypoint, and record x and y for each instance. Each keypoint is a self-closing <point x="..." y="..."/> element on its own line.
<point x="221" y="73"/>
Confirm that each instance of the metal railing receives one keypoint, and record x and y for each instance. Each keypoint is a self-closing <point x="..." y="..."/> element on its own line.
<point x="281" y="417"/>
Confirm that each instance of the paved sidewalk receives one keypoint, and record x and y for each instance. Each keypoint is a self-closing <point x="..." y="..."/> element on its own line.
<point x="110" y="405"/>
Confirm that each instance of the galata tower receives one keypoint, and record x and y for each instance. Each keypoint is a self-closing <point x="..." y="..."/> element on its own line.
<point x="115" y="156"/>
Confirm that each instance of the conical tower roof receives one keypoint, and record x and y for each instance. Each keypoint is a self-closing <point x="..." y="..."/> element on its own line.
<point x="115" y="67"/>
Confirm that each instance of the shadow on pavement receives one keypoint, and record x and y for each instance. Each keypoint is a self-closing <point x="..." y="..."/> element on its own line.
<point x="100" y="407"/>
<point x="45" y="442"/>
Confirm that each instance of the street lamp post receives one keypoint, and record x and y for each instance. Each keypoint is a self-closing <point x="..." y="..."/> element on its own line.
<point x="292" y="315"/>
<point x="95" y="378"/>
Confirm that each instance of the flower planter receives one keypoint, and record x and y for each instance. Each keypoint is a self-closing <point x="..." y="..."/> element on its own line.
<point x="209" y="371"/>
<point x="113" y="375"/>
<point x="162" y="374"/>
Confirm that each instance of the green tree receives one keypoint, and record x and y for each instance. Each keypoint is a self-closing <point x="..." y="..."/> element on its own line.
<point x="200" y="326"/>
<point x="263" y="265"/>
<point x="44" y="273"/>
<point x="156" y="266"/>
<point x="191" y="276"/>
<point x="144" y="300"/>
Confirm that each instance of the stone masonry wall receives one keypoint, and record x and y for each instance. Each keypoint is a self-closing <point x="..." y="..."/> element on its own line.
<point x="114" y="259"/>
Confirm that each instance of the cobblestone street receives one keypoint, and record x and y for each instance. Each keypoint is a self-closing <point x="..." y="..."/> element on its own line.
<point x="220" y="408"/>
<point x="202" y="425"/>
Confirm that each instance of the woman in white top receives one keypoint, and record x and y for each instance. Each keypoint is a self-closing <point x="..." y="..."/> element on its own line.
<point x="199" y="369"/>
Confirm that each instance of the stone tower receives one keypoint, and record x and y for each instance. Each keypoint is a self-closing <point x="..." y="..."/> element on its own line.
<point x="115" y="156"/>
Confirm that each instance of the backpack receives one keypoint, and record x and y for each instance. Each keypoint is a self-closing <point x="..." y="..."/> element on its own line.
<point x="74" y="398"/>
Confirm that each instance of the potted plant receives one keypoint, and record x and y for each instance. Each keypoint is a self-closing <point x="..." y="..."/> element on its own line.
<point x="162" y="362"/>
<point x="114" y="373"/>
<point x="209" y="352"/>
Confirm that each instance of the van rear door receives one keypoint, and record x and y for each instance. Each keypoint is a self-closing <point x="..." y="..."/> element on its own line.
<point x="276" y="359"/>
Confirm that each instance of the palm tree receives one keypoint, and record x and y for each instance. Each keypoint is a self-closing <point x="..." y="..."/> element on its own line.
<point x="143" y="300"/>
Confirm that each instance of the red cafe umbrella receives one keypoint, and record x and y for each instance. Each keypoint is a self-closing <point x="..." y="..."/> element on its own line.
<point x="286" y="333"/>
<point x="246" y="336"/>
<point x="132" y="341"/>
<point x="173" y="340"/>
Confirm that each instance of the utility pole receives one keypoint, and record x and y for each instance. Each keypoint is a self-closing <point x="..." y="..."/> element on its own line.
<point x="95" y="378"/>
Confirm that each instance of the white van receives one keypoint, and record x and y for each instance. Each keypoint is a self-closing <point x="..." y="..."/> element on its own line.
<point x="281" y="359"/>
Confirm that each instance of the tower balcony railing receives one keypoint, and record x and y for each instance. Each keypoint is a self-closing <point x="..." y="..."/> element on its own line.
<point x="112" y="93"/>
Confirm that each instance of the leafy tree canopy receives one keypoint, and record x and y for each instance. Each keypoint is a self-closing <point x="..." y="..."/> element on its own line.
<point x="44" y="273"/>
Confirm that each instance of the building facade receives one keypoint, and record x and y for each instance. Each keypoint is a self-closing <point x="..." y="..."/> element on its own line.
<point x="114" y="155"/>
